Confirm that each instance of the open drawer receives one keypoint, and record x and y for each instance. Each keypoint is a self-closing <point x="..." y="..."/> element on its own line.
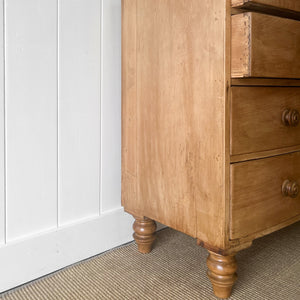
<point x="265" y="46"/>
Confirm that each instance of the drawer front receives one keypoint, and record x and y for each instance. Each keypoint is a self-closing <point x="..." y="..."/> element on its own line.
<point x="265" y="46"/>
<point x="264" y="118"/>
<point x="257" y="200"/>
<point x="293" y="5"/>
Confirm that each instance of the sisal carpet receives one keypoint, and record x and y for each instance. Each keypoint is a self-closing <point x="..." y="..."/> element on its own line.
<point x="176" y="269"/>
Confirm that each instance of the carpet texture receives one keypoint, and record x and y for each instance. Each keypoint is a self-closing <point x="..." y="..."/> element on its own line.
<point x="175" y="269"/>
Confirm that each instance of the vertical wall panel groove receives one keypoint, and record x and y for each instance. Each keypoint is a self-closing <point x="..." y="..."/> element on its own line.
<point x="31" y="116"/>
<point x="111" y="106"/>
<point x="79" y="109"/>
<point x="2" y="131"/>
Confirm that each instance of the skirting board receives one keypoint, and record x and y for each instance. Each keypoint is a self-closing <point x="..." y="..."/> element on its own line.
<point x="37" y="256"/>
<point x="23" y="261"/>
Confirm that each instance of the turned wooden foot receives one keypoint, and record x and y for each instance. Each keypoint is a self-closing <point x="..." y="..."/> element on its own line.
<point x="222" y="273"/>
<point x="144" y="233"/>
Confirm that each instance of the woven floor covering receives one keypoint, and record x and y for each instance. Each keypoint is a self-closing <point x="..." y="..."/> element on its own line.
<point x="175" y="269"/>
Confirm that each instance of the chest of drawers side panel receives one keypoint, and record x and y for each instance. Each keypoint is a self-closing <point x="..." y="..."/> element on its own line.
<point x="178" y="108"/>
<point x="129" y="105"/>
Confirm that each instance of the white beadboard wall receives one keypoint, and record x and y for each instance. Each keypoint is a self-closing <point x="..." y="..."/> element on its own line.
<point x="2" y="140"/>
<point x="60" y="135"/>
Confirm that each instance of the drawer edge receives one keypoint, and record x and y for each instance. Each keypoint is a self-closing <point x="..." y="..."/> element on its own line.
<point x="265" y="82"/>
<point x="257" y="206"/>
<point x="240" y="46"/>
<point x="239" y="6"/>
<point x="263" y="154"/>
<point x="267" y="231"/>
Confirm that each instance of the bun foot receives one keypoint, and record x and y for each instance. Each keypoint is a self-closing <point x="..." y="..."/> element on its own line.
<point x="144" y="233"/>
<point x="222" y="273"/>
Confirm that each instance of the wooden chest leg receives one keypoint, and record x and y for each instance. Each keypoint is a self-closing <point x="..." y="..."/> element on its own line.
<point x="222" y="273"/>
<point x="144" y="233"/>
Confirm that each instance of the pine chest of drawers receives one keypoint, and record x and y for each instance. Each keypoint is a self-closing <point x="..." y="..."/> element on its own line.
<point x="210" y="122"/>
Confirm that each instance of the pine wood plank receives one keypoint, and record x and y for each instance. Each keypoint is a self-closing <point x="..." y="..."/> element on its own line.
<point x="129" y="105"/>
<point x="180" y="134"/>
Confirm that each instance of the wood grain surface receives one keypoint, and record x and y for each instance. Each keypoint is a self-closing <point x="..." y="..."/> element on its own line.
<point x="222" y="273"/>
<point x="174" y="156"/>
<point x="263" y="154"/>
<point x="176" y="113"/>
<point x="265" y="46"/>
<point x="256" y="118"/>
<point x="129" y="105"/>
<point x="256" y="194"/>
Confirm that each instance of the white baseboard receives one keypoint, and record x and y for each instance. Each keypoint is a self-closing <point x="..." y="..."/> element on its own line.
<point x="26" y="260"/>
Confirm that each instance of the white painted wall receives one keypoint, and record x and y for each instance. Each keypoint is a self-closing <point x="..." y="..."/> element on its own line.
<point x="2" y="141"/>
<point x="60" y="135"/>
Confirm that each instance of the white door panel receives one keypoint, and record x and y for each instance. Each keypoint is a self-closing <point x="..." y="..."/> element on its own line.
<point x="2" y="140"/>
<point x="111" y="106"/>
<point x="79" y="109"/>
<point x="31" y="116"/>
<point x="60" y="165"/>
